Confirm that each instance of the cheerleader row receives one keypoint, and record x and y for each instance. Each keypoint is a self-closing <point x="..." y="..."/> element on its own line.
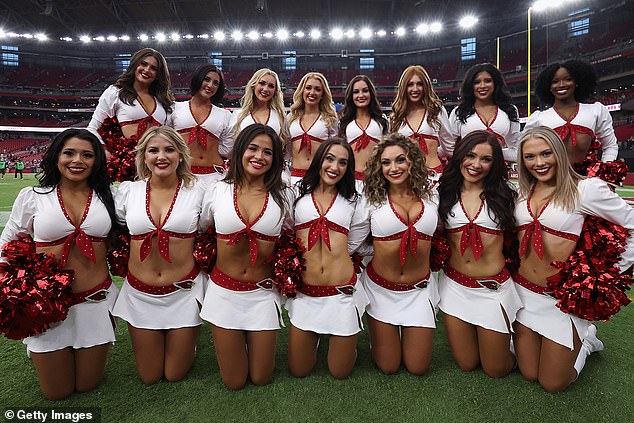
<point x="142" y="98"/>
<point x="493" y="319"/>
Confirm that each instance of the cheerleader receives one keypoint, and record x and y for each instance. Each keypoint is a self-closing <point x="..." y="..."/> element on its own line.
<point x="204" y="124"/>
<point x="141" y="97"/>
<point x="70" y="214"/>
<point x="477" y="294"/>
<point x="362" y="124"/>
<point x="418" y="113"/>
<point x="562" y="89"/>
<point x="248" y="207"/>
<point x="164" y="287"/>
<point x="552" y="346"/>
<point x="403" y="294"/>
<point x="485" y="104"/>
<point x="312" y="120"/>
<point x="330" y="301"/>
<point x="262" y="102"/>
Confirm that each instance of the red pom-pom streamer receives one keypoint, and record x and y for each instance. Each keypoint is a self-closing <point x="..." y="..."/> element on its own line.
<point x="34" y="292"/>
<point x="206" y="249"/>
<point x="119" y="253"/>
<point x="611" y="172"/>
<point x="288" y="264"/>
<point x="121" y="164"/>
<point x="589" y="284"/>
<point x="440" y="252"/>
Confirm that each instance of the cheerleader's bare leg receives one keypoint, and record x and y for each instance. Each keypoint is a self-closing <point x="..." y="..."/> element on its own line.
<point x="342" y="354"/>
<point x="90" y="364"/>
<point x="149" y="353"/>
<point x="302" y="351"/>
<point x="261" y="347"/>
<point x="418" y="344"/>
<point x="231" y="353"/>
<point x="463" y="340"/>
<point x="385" y="344"/>
<point x="180" y="352"/>
<point x="56" y="373"/>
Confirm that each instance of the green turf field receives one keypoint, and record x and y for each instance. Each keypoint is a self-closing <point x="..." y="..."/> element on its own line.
<point x="603" y="393"/>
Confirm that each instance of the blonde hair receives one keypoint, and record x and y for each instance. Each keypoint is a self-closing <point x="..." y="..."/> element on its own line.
<point x="184" y="165"/>
<point x="247" y="102"/>
<point x="326" y="106"/>
<point x="566" y="193"/>
<point x="429" y="99"/>
<point x="376" y="186"/>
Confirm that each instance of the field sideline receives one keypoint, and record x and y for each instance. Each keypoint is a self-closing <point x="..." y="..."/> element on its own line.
<point x="603" y="392"/>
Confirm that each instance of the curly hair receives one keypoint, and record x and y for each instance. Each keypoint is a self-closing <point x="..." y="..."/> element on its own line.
<point x="312" y="179"/>
<point x="582" y="73"/>
<point x="377" y="186"/>
<point x="199" y="76"/>
<point x="429" y="99"/>
<point x="326" y="106"/>
<point x="501" y="96"/>
<point x="499" y="195"/>
<point x="99" y="180"/>
<point x="276" y="103"/>
<point x="184" y="165"/>
<point x="161" y="88"/>
<point x="349" y="112"/>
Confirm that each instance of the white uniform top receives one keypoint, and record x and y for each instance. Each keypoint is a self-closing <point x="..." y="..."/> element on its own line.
<point x="593" y="119"/>
<point x="273" y="121"/>
<point x="342" y="216"/>
<point x="319" y="131"/>
<point x="506" y="131"/>
<point x="441" y="134"/>
<point x="111" y="106"/>
<point x="595" y="198"/>
<point x="217" y="124"/>
<point x="39" y="212"/>
<point x="362" y="137"/>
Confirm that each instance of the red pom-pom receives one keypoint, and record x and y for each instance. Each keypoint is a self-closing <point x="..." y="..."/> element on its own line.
<point x="440" y="252"/>
<point x="612" y="172"/>
<point x="34" y="292"/>
<point x="119" y="253"/>
<point x="590" y="285"/>
<point x="511" y="251"/>
<point x="121" y="164"/>
<point x="288" y="264"/>
<point x="205" y="250"/>
<point x="357" y="262"/>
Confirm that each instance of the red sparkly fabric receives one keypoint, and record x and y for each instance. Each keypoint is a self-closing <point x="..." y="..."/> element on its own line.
<point x="206" y="250"/>
<point x="440" y="252"/>
<point x="288" y="264"/>
<point x="119" y="253"/>
<point x="121" y="164"/>
<point x="34" y="291"/>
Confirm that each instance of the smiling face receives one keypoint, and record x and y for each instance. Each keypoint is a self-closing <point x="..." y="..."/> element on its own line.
<point x="209" y="86"/>
<point x="361" y="94"/>
<point x="265" y="88"/>
<point x="415" y="89"/>
<point x="562" y="86"/>
<point x="313" y="92"/>
<point x="147" y="70"/>
<point x="477" y="164"/>
<point x="76" y="160"/>
<point x="483" y="86"/>
<point x="540" y="160"/>
<point x="334" y="165"/>
<point x="161" y="157"/>
<point x="258" y="156"/>
<point x="395" y="165"/>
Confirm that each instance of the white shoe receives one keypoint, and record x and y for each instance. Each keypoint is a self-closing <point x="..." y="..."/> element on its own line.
<point x="593" y="343"/>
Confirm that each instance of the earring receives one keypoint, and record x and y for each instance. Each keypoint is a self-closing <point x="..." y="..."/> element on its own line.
<point x="180" y="160"/>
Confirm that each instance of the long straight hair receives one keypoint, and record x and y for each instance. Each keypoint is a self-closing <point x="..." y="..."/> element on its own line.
<point x="430" y="100"/>
<point x="349" y="112"/>
<point x="326" y="106"/>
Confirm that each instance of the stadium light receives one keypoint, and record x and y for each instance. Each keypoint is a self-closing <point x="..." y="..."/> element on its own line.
<point x="422" y="29"/>
<point x="85" y="39"/>
<point x="282" y="34"/>
<point x="435" y="27"/>
<point x="41" y="37"/>
<point x="175" y="36"/>
<point x="253" y="35"/>
<point x="336" y="34"/>
<point x="204" y="36"/>
<point x="268" y="34"/>
<point x="300" y="34"/>
<point x="2" y="33"/>
<point x="468" y="22"/>
<point x="112" y="38"/>
<point x="125" y="38"/>
<point x="219" y="35"/>
<point x="381" y="33"/>
<point x="160" y="37"/>
<point x="365" y="33"/>
<point x="350" y="33"/>
<point x="144" y="37"/>
<point x="188" y="36"/>
<point x="400" y="31"/>
<point x="237" y="35"/>
<point x="315" y="34"/>
<point x="100" y="38"/>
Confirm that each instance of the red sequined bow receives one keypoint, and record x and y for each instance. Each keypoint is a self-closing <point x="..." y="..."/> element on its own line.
<point x="253" y="242"/>
<point x="534" y="232"/>
<point x="421" y="142"/>
<point x="305" y="142"/>
<point x="362" y="141"/>
<point x="199" y="133"/>
<point x="318" y="229"/>
<point x="572" y="129"/>
<point x="83" y="242"/>
<point x="144" y="124"/>
<point x="409" y="239"/>
<point x="471" y="236"/>
<point x="163" y="244"/>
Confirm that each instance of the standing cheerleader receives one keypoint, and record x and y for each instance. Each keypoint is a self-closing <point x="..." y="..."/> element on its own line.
<point x="485" y="104"/>
<point x="164" y="286"/>
<point x="362" y="124"/>
<point x="262" y="103"/>
<point x="552" y="346"/>
<point x="141" y="98"/>
<point x="69" y="215"/>
<point x="477" y="294"/>
<point x="418" y="113"/>
<point x="330" y="301"/>
<point x="562" y="89"/>
<point x="248" y="208"/>
<point x="403" y="293"/>
<point x="313" y="120"/>
<point x="204" y="124"/>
